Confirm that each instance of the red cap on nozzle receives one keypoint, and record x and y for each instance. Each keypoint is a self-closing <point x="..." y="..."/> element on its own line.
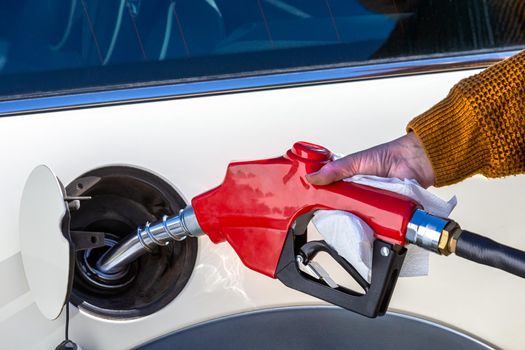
<point x="311" y="151"/>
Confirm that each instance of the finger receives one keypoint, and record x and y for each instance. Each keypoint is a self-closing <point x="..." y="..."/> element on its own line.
<point x="331" y="172"/>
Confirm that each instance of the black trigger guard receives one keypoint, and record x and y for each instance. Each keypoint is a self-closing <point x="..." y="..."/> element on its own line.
<point x="385" y="271"/>
<point x="312" y="248"/>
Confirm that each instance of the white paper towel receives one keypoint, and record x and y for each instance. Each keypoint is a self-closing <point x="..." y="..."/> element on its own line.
<point x="353" y="239"/>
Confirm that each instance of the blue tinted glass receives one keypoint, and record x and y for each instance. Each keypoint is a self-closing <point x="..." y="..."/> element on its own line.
<point x="53" y="45"/>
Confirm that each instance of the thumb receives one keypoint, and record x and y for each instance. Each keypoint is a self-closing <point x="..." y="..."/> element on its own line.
<point x="331" y="172"/>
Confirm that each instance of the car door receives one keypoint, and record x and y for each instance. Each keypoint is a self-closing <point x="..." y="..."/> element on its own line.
<point x="155" y="98"/>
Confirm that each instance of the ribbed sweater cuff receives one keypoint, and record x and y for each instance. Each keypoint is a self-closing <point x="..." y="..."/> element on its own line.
<point x="451" y="138"/>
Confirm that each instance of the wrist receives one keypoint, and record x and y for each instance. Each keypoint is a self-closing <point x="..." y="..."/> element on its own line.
<point x="412" y="152"/>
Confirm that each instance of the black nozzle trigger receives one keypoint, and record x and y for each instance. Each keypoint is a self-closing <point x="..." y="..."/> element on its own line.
<point x="312" y="248"/>
<point x="386" y="264"/>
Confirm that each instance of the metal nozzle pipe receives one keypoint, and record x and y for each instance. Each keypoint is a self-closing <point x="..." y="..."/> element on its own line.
<point x="175" y="228"/>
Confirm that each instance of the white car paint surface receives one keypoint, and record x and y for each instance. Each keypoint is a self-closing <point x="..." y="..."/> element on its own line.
<point x="190" y="141"/>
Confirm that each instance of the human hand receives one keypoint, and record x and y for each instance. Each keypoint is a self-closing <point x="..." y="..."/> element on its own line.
<point x="401" y="158"/>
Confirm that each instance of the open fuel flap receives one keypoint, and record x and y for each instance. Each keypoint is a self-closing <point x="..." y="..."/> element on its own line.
<point x="45" y="244"/>
<point x="65" y="230"/>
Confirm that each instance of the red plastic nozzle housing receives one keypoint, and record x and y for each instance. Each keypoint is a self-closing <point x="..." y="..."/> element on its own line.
<point x="259" y="201"/>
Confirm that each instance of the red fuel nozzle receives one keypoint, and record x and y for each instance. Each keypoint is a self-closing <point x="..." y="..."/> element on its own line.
<point x="259" y="201"/>
<point x="262" y="209"/>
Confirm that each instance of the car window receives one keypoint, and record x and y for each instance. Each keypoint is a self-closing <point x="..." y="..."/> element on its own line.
<point x="56" y="46"/>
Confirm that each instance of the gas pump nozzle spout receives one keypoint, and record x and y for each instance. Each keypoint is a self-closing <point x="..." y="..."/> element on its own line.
<point x="146" y="238"/>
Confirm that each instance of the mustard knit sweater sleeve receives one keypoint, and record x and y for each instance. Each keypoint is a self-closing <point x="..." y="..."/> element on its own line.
<point x="479" y="128"/>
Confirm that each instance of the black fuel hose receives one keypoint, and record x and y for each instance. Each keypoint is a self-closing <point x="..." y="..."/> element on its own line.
<point x="485" y="251"/>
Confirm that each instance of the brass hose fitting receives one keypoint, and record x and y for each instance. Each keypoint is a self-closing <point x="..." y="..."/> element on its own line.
<point x="449" y="238"/>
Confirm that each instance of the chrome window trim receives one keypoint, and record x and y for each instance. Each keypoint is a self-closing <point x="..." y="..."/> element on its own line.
<point x="251" y="83"/>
